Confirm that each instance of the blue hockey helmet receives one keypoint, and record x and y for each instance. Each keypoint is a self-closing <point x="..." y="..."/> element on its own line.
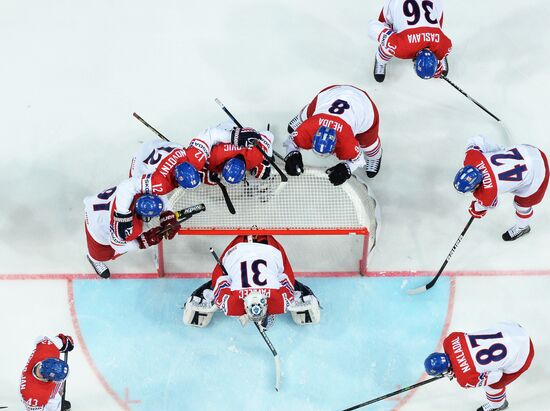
<point x="437" y="363"/>
<point x="187" y="176"/>
<point x="149" y="205"/>
<point x="324" y="141"/>
<point x="234" y="170"/>
<point x="467" y="179"/>
<point x="53" y="369"/>
<point x="425" y="64"/>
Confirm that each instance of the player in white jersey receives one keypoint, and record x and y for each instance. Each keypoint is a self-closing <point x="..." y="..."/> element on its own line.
<point x="411" y="29"/>
<point x="110" y="233"/>
<point x="154" y="154"/>
<point x="490" y="170"/>
<point x="260" y="284"/>
<point x="491" y="358"/>
<point x="341" y="120"/>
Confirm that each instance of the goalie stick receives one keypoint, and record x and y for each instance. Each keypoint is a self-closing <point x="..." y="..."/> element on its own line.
<point x="260" y="330"/>
<point x="391" y="394"/>
<point x="284" y="177"/>
<point x="222" y="187"/>
<point x="434" y="280"/>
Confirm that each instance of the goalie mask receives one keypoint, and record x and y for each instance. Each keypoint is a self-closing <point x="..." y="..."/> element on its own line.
<point x="255" y="305"/>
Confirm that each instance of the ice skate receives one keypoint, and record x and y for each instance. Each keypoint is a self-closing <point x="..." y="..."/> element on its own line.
<point x="379" y="71"/>
<point x="294" y="123"/>
<point x="66" y="405"/>
<point x="373" y="165"/>
<point x="489" y="407"/>
<point x="515" y="232"/>
<point x="100" y="268"/>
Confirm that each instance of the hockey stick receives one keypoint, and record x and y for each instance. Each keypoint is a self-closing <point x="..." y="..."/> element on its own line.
<point x="261" y="331"/>
<point x="284" y="177"/>
<point x="149" y="126"/>
<point x="66" y="359"/>
<point x="184" y="215"/>
<point x="434" y="280"/>
<point x="499" y="121"/>
<point x="391" y="394"/>
<point x="222" y="187"/>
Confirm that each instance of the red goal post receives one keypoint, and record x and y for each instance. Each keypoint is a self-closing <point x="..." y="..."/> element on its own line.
<point x="307" y="205"/>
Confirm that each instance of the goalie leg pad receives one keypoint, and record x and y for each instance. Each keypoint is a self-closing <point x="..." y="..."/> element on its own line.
<point x="198" y="312"/>
<point x="306" y="311"/>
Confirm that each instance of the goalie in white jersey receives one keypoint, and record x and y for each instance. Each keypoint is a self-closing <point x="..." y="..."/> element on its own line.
<point x="490" y="170"/>
<point x="260" y="284"/>
<point x="491" y="358"/>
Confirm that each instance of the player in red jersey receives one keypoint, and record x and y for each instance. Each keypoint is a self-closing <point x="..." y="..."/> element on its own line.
<point x="491" y="358"/>
<point x="490" y="170"/>
<point x="42" y="380"/>
<point x="114" y="224"/>
<point x="341" y="120"/>
<point x="411" y="29"/>
<point x="260" y="284"/>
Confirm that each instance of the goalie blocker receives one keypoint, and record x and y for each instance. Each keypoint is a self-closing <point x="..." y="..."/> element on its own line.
<point x="255" y="264"/>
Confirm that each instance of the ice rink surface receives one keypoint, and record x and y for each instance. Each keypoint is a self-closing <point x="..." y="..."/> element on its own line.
<point x="72" y="74"/>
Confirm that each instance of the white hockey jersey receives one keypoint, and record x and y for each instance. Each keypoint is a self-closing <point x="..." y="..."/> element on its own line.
<point x="408" y="14"/>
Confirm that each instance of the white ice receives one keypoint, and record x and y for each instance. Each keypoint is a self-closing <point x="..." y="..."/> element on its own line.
<point x="73" y="72"/>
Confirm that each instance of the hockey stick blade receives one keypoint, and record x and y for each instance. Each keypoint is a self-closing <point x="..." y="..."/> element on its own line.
<point x="226" y="198"/>
<point x="418" y="290"/>
<point x="277" y="372"/>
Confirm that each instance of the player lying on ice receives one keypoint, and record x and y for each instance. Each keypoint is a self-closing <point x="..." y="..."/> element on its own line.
<point x="490" y="170"/>
<point x="411" y="29"/>
<point x="42" y="380"/>
<point x="491" y="358"/>
<point x="342" y="121"/>
<point x="160" y="166"/>
<point x="260" y="284"/>
<point x="114" y="224"/>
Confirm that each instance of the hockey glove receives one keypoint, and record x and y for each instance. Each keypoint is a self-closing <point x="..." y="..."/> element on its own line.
<point x="67" y="343"/>
<point x="123" y="223"/>
<point x="149" y="238"/>
<point x="262" y="171"/>
<point x="339" y="173"/>
<point x="294" y="165"/>
<point x="474" y="212"/>
<point x="168" y="219"/>
<point x="244" y="137"/>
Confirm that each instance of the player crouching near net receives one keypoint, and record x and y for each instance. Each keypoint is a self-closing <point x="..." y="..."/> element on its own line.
<point x="490" y="170"/>
<point x="114" y="224"/>
<point x="342" y="121"/>
<point x="260" y="284"/>
<point x="491" y="358"/>
<point x="42" y="380"/>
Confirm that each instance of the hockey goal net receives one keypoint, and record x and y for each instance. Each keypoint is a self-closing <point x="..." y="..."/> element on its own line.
<point x="307" y="210"/>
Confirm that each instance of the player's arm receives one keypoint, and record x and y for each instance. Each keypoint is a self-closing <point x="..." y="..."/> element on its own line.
<point x="483" y="144"/>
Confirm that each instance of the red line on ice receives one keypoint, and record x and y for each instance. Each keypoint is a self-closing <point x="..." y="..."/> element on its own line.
<point x="84" y="348"/>
<point x="147" y="276"/>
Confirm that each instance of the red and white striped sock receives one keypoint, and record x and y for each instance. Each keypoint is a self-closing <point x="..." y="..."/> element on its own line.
<point x="523" y="215"/>
<point x="374" y="151"/>
<point x="496" y="397"/>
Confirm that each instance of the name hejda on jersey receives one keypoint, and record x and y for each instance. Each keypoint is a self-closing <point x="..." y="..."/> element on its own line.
<point x="171" y="162"/>
<point x="487" y="182"/>
<point x="460" y="356"/>
<point x="331" y="124"/>
<point x="420" y="37"/>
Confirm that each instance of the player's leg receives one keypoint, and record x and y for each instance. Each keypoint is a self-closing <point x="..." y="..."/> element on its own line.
<point x="97" y="254"/>
<point x="380" y="32"/>
<point x="297" y="120"/>
<point x="524" y="207"/>
<point x="496" y="400"/>
<point x="372" y="146"/>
